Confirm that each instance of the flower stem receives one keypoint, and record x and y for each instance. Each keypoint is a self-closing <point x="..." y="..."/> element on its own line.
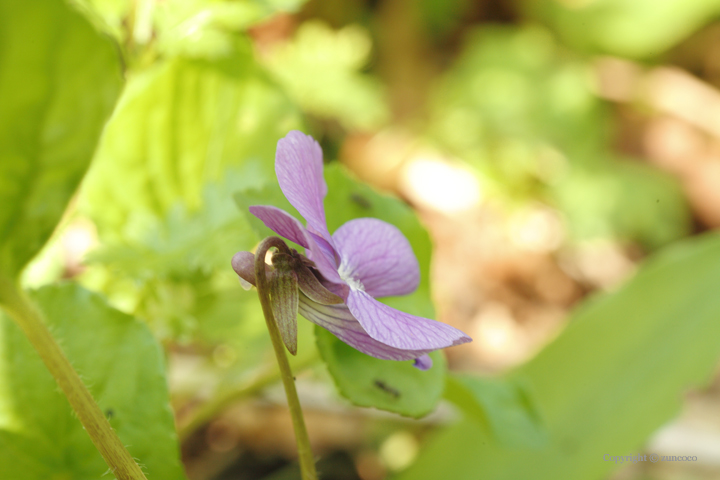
<point x="29" y="319"/>
<point x="307" y="461"/>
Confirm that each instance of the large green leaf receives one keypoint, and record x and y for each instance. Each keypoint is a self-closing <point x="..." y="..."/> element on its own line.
<point x="59" y="80"/>
<point x="175" y="271"/>
<point x="612" y="378"/>
<point x="178" y="127"/>
<point x="40" y="438"/>
<point x="186" y="133"/>
<point x="504" y="409"/>
<point x="183" y="242"/>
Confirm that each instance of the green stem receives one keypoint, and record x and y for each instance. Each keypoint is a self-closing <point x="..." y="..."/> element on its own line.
<point x="307" y="461"/>
<point x="29" y="319"/>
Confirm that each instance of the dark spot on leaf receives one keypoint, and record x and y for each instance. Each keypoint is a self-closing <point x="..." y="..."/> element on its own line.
<point x="387" y="389"/>
<point x="360" y="200"/>
<point x="109" y="413"/>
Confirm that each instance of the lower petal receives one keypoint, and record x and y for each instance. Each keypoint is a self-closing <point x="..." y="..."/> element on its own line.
<point x="399" y="329"/>
<point x="423" y="363"/>
<point x="341" y="323"/>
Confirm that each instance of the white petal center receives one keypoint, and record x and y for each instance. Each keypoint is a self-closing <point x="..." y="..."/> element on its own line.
<point x="346" y="274"/>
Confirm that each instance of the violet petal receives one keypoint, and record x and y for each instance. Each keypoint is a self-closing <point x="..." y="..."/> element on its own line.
<point x="299" y="170"/>
<point x="284" y="224"/>
<point x="341" y="323"/>
<point x="378" y="255"/>
<point x="244" y="265"/>
<point x="399" y="329"/>
<point x="423" y="363"/>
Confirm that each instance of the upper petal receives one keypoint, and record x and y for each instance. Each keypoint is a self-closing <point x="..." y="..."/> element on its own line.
<point x="299" y="170"/>
<point x="399" y="329"/>
<point x="284" y="224"/>
<point x="378" y="255"/>
<point x="341" y="323"/>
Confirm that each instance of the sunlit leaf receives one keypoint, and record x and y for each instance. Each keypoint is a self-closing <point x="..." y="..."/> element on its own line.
<point x="123" y="366"/>
<point x="178" y="127"/>
<point x="185" y="135"/>
<point x="59" y="80"/>
<point x="183" y="241"/>
<point x="612" y="378"/>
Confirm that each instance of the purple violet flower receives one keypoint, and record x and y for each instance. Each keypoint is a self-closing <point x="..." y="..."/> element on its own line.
<point x="365" y="258"/>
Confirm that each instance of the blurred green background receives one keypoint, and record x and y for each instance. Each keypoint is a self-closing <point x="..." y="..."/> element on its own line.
<point x="555" y="165"/>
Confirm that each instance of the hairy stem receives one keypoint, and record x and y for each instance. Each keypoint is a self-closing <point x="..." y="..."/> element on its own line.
<point x="30" y="321"/>
<point x="307" y="462"/>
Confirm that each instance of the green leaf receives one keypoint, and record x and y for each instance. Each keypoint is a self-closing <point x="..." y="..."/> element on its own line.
<point x="59" y="80"/>
<point x="40" y="438"/>
<point x="614" y="376"/>
<point x="385" y="384"/>
<point x="504" y="409"/>
<point x="178" y="127"/>
<point x="175" y="265"/>
<point x="185" y="135"/>
<point x="183" y="241"/>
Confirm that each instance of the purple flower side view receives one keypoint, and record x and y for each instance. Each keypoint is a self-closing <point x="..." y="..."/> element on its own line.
<point x="365" y="258"/>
